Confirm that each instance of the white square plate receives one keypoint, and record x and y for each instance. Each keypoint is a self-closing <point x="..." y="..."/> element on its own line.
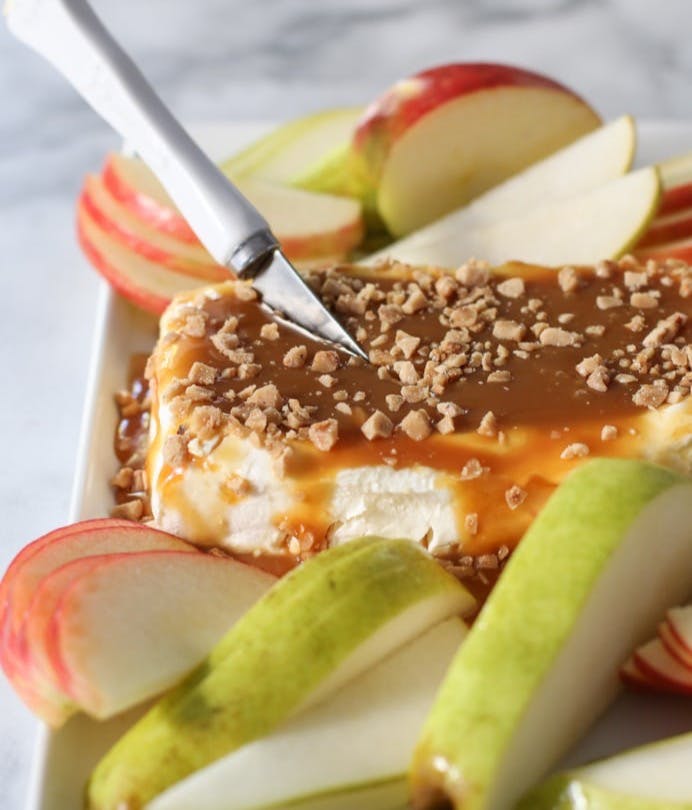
<point x="65" y="758"/>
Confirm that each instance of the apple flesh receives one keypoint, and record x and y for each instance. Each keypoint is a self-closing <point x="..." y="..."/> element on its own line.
<point x="358" y="742"/>
<point x="652" y="777"/>
<point x="163" y="610"/>
<point x="600" y="223"/>
<point x="436" y="140"/>
<point x="515" y="697"/>
<point x="321" y="626"/>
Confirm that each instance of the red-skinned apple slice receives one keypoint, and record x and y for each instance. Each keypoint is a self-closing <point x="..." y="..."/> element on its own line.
<point x="146" y="284"/>
<point x="668" y="228"/>
<point x="654" y="660"/>
<point x="135" y="187"/>
<point x="162" y="610"/>
<point x="35" y="562"/>
<point x="116" y="220"/>
<point x="442" y="137"/>
<point x="678" y="249"/>
<point x="673" y="645"/>
<point x="309" y="226"/>
<point x="631" y="674"/>
<point x="676" y="198"/>
<point x="680" y="622"/>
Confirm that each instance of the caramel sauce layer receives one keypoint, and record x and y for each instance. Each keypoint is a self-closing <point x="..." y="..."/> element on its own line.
<point x="502" y="381"/>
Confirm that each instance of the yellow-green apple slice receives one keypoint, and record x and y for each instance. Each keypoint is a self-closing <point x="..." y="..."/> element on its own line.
<point x="436" y="140"/>
<point x="146" y="284"/>
<point x="318" y="628"/>
<point x="163" y="610"/>
<point x="652" y="777"/>
<point x="588" y="163"/>
<point x="515" y="697"/>
<point x="358" y="742"/>
<point x="32" y="566"/>
<point x="597" y="224"/>
<point x="289" y="150"/>
<point x="118" y="222"/>
<point x="659" y="664"/>
<point x="308" y="226"/>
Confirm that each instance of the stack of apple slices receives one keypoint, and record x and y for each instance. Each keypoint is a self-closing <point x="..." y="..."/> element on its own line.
<point x="335" y="667"/>
<point x="82" y="603"/>
<point x="134" y="235"/>
<point x="664" y="663"/>
<point x="669" y="235"/>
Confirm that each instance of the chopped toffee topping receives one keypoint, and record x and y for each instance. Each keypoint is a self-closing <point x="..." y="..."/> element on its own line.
<point x="522" y="346"/>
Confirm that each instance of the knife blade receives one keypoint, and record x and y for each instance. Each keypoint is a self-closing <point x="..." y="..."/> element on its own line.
<point x="70" y="35"/>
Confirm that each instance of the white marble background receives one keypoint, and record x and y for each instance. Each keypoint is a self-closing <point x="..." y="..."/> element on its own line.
<point x="235" y="59"/>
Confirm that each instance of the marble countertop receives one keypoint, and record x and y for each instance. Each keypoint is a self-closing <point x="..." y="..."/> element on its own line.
<point x="237" y="59"/>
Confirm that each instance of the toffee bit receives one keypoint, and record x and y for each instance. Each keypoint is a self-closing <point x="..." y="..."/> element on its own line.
<point x="512" y="287"/>
<point x="377" y="426"/>
<point x="515" y="496"/>
<point x="295" y="357"/>
<point x="471" y="523"/>
<point x="574" y="450"/>
<point x="416" y="425"/>
<point x="324" y="435"/>
<point x="488" y="426"/>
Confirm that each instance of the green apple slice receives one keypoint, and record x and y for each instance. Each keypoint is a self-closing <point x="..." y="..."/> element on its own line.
<point x="358" y="742"/>
<point x="652" y="777"/>
<point x="596" y="224"/>
<point x="288" y="151"/>
<point x="517" y="695"/>
<point x="318" y="628"/>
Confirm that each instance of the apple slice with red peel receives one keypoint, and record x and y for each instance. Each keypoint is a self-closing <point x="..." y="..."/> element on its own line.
<point x="135" y="187"/>
<point x="676" y="198"/>
<point x="160" y="610"/>
<point x="631" y="674"/>
<point x="438" y="139"/>
<point x="680" y="621"/>
<point x="117" y="221"/>
<point x="36" y="562"/>
<point x="308" y="225"/>
<point x="657" y="663"/>
<point x="144" y="283"/>
<point x="673" y="645"/>
<point x="668" y="228"/>
<point x="678" y="249"/>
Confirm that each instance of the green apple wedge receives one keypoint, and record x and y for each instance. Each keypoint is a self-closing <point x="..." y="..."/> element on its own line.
<point x="604" y="222"/>
<point x="595" y="572"/>
<point x="318" y="628"/>
<point x="287" y="151"/>
<point x="652" y="777"/>
<point x="358" y="743"/>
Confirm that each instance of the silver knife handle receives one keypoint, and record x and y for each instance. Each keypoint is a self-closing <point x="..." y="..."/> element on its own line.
<point x="70" y="36"/>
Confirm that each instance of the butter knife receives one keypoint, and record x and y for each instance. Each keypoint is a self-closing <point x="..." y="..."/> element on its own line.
<point x="74" y="40"/>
